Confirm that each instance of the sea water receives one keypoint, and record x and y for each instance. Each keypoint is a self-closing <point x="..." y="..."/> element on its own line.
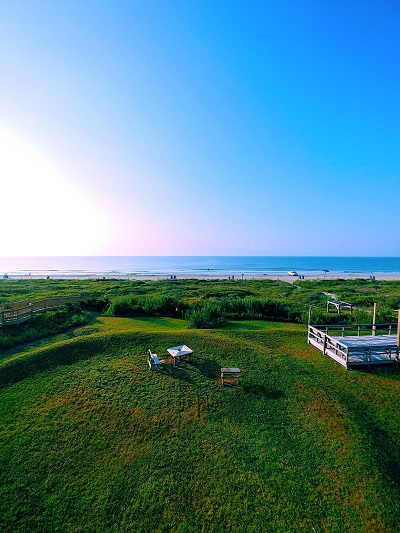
<point x="194" y="266"/>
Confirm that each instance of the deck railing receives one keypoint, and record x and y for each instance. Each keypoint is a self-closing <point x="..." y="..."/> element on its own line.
<point x="336" y="330"/>
<point x="371" y="348"/>
<point x="325" y="342"/>
<point x="17" y="312"/>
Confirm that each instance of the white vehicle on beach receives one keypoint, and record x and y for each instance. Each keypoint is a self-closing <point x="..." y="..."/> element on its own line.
<point x="293" y="273"/>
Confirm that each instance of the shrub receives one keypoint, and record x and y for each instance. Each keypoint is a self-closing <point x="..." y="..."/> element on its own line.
<point x="254" y="308"/>
<point x="95" y="304"/>
<point x="208" y="315"/>
<point x="124" y="306"/>
<point x="147" y="305"/>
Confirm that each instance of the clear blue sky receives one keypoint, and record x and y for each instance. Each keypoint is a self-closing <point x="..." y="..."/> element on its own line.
<point x="200" y="127"/>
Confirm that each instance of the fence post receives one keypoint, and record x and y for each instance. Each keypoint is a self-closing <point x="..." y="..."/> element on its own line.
<point x="374" y="321"/>
<point x="398" y="339"/>
<point x="324" y="348"/>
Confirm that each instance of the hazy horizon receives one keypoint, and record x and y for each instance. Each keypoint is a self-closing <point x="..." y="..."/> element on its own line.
<point x="189" y="266"/>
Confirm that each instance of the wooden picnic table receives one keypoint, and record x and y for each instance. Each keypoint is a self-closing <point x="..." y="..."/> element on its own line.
<point x="229" y="373"/>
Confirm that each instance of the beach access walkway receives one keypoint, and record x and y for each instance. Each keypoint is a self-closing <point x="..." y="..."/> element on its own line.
<point x="357" y="345"/>
<point x="18" y="312"/>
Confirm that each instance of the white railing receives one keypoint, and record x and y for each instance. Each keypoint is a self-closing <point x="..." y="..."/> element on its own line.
<point x="370" y="349"/>
<point x="337" y="330"/>
<point x="325" y="343"/>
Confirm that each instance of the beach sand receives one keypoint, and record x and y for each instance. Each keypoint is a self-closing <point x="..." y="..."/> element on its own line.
<point x="287" y="278"/>
<point x="213" y="276"/>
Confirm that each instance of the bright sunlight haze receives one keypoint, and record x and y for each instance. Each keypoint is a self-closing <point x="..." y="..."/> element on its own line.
<point x="200" y="128"/>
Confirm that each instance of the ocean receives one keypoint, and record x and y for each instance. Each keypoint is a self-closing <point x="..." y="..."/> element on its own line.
<point x="66" y="267"/>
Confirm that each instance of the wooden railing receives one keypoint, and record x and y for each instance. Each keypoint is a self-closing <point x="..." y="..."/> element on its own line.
<point x="358" y="329"/>
<point x="370" y="348"/>
<point x="17" y="312"/>
<point x="324" y="342"/>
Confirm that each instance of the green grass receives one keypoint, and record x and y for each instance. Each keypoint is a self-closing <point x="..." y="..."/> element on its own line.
<point x="92" y="441"/>
<point x="268" y="299"/>
<point x="360" y="292"/>
<point x="188" y="290"/>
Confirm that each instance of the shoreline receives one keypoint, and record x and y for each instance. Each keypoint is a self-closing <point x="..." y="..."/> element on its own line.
<point x="379" y="276"/>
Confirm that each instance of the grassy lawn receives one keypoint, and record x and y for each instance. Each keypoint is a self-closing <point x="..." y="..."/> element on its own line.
<point x="92" y="440"/>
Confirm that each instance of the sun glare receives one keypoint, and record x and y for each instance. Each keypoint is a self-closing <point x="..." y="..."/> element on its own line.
<point x="44" y="213"/>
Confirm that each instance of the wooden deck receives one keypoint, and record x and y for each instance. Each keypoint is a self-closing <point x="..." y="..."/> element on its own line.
<point x="355" y="350"/>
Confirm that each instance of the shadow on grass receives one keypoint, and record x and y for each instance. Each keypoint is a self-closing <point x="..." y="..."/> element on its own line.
<point x="28" y="366"/>
<point x="263" y="391"/>
<point x="387" y="372"/>
<point x="177" y="372"/>
<point x="210" y="369"/>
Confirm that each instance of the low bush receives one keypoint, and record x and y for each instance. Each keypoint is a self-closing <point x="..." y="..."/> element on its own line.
<point x="254" y="308"/>
<point x="147" y="305"/>
<point x="206" y="316"/>
<point x="95" y="304"/>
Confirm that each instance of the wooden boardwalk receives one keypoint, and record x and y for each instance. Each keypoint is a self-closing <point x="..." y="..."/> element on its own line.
<point x="355" y="350"/>
<point x="18" y="312"/>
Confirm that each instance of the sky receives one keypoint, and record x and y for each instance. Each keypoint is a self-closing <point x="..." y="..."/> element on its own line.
<point x="218" y="127"/>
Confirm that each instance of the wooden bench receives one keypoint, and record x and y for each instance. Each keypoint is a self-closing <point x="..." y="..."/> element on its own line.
<point x="229" y="373"/>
